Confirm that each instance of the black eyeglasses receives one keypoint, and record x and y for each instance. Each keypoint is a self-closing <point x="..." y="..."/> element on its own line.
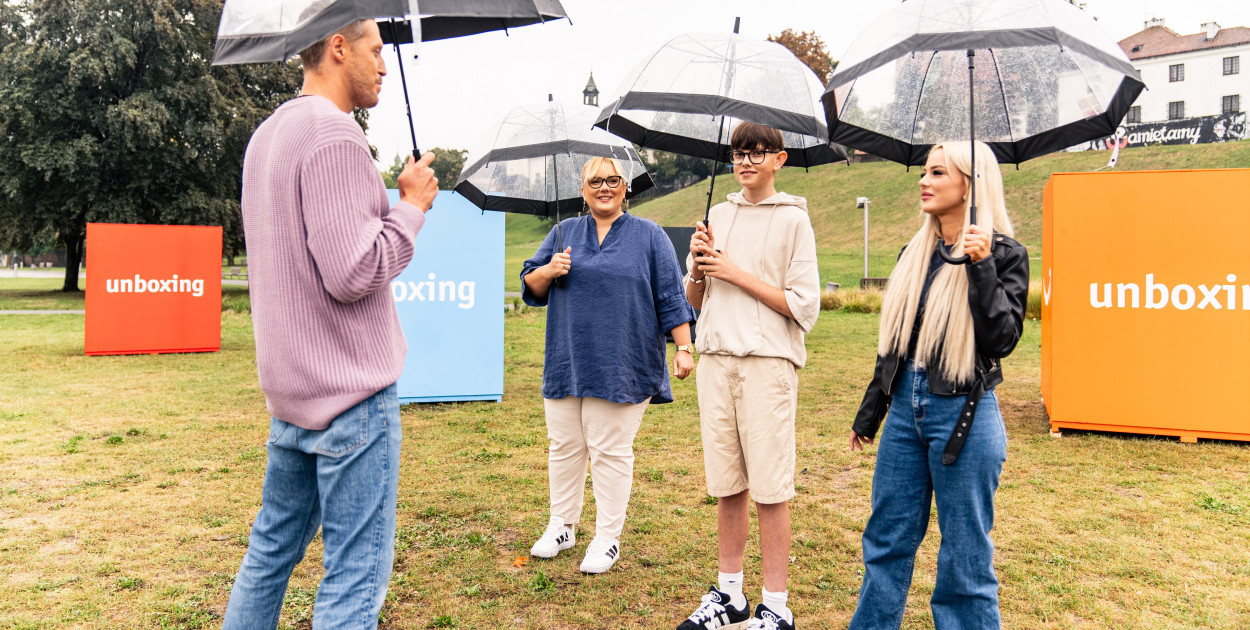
<point x="756" y="157"/>
<point x="598" y="182"/>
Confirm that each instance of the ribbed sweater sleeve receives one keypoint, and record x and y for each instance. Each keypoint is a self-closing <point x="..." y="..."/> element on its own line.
<point x="356" y="251"/>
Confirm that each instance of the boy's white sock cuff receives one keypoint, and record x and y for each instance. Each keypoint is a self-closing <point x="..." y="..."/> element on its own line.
<point x="731" y="585"/>
<point x="776" y="602"/>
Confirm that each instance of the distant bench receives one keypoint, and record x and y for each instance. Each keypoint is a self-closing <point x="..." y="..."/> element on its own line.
<point x="235" y="273"/>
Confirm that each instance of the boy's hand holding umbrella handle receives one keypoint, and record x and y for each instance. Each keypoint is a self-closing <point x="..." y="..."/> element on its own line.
<point x="701" y="242"/>
<point x="417" y="183"/>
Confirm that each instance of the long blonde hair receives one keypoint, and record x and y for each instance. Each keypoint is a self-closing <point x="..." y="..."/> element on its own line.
<point x="947" y="325"/>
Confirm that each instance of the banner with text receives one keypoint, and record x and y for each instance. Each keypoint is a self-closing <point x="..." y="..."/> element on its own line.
<point x="153" y="289"/>
<point x="450" y="303"/>
<point x="1201" y="130"/>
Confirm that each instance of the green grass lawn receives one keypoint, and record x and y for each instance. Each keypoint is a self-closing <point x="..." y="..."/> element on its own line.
<point x="128" y="484"/>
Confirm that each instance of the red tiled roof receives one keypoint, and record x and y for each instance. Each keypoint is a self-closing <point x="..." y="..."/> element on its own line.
<point x="1158" y="41"/>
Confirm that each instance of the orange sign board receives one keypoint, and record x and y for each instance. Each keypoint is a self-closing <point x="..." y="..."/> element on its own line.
<point x="1146" y="302"/>
<point x="153" y="288"/>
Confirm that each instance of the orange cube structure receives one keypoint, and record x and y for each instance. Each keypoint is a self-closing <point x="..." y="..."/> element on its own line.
<point x="1146" y="302"/>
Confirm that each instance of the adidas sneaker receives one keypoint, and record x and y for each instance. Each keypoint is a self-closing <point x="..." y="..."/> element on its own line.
<point x="557" y="538"/>
<point x="716" y="613"/>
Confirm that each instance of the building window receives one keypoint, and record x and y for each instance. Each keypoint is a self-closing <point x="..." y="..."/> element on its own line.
<point x="1134" y="115"/>
<point x="1176" y="110"/>
<point x="1230" y="104"/>
<point x="1176" y="72"/>
<point x="1232" y="65"/>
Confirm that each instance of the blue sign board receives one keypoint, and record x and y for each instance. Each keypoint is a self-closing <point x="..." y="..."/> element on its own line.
<point x="450" y="303"/>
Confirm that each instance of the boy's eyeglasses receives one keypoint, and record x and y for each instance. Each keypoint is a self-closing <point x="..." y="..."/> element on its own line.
<point x="756" y="157"/>
<point x="598" y="182"/>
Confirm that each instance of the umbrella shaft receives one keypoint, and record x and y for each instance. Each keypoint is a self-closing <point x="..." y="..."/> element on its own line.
<point x="720" y="134"/>
<point x="972" y="135"/>
<point x="403" y="80"/>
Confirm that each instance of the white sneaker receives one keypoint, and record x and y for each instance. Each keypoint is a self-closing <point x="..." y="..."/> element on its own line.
<point x="557" y="538"/>
<point x="601" y="554"/>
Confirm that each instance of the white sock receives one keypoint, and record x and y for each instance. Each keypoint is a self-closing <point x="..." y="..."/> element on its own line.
<point x="776" y="602"/>
<point x="731" y="585"/>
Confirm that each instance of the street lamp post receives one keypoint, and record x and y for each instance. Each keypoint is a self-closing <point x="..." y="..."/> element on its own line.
<point x="863" y="202"/>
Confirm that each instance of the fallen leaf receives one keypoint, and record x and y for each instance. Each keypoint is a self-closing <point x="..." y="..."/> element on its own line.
<point x="520" y="561"/>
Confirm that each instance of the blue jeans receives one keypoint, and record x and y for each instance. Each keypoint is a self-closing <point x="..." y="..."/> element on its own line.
<point x="909" y="475"/>
<point x="343" y="479"/>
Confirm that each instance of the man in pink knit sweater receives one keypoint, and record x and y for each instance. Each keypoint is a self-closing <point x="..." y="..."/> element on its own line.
<point x="323" y="245"/>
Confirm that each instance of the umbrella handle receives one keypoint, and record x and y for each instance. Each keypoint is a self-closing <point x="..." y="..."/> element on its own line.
<point x="952" y="260"/>
<point x="961" y="260"/>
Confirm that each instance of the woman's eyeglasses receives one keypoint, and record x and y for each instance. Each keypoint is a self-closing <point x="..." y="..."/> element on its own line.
<point x="756" y="157"/>
<point x="598" y="182"/>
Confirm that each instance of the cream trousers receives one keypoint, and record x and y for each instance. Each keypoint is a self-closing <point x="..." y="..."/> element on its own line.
<point x="602" y="432"/>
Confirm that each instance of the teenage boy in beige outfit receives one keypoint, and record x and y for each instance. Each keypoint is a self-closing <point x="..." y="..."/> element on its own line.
<point x="754" y="277"/>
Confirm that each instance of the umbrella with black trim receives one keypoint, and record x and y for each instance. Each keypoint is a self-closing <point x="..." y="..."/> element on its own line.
<point x="531" y="161"/>
<point x="257" y="31"/>
<point x="687" y="96"/>
<point x="1026" y="77"/>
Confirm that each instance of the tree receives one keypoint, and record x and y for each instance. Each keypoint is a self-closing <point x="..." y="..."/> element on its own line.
<point x="447" y="165"/>
<point x="390" y="174"/>
<point x="810" y="49"/>
<point x="110" y="112"/>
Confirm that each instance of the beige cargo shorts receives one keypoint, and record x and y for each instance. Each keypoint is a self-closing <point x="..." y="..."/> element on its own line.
<point x="746" y="408"/>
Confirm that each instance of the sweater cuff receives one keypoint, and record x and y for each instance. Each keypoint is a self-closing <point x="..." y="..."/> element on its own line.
<point x="408" y="216"/>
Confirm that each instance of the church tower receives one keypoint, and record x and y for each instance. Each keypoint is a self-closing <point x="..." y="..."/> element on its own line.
<point x="590" y="95"/>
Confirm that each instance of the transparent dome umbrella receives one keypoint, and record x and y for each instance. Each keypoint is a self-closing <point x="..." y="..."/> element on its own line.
<point x="1026" y="77"/>
<point x="687" y="96"/>
<point x="445" y="19"/>
<point x="531" y="161"/>
<point x="257" y="31"/>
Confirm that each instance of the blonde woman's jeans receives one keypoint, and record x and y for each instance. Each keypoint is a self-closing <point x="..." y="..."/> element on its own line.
<point x="910" y="476"/>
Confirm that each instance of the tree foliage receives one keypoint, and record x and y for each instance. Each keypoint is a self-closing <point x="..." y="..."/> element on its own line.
<point x="110" y="112"/>
<point x="810" y="49"/>
<point x="447" y="165"/>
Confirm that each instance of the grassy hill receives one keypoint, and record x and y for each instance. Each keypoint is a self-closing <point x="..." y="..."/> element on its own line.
<point x="831" y="191"/>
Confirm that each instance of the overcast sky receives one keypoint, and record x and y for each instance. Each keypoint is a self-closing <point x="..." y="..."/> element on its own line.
<point x="460" y="86"/>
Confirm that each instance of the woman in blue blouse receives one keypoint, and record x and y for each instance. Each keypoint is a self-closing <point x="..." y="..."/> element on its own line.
<point x="605" y="354"/>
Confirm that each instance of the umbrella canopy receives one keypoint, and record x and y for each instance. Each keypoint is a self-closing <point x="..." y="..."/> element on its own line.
<point x="688" y="95"/>
<point x="1046" y="77"/>
<point x="254" y="31"/>
<point x="531" y="161"/>
<point x="444" y="19"/>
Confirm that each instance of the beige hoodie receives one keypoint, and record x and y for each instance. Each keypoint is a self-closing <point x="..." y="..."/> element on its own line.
<point x="773" y="241"/>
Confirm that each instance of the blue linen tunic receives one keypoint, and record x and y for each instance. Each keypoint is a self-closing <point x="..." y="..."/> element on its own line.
<point x="606" y="325"/>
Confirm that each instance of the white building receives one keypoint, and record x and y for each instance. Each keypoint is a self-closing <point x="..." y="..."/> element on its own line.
<point x="1188" y="76"/>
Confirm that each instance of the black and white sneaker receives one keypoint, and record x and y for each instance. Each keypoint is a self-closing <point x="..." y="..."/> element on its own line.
<point x="555" y="539"/>
<point x="716" y="613"/>
<point x="601" y="554"/>
<point x="766" y="619"/>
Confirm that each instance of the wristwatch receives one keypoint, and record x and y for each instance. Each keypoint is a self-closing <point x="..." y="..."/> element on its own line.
<point x="688" y="348"/>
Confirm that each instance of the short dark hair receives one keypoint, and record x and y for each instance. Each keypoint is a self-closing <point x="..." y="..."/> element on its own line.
<point x="748" y="136"/>
<point x="311" y="57"/>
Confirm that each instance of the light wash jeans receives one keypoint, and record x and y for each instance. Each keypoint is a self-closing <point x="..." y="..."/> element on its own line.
<point x="908" y="477"/>
<point x="345" y="480"/>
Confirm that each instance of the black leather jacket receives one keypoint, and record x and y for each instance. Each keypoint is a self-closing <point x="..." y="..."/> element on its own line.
<point x="998" y="290"/>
